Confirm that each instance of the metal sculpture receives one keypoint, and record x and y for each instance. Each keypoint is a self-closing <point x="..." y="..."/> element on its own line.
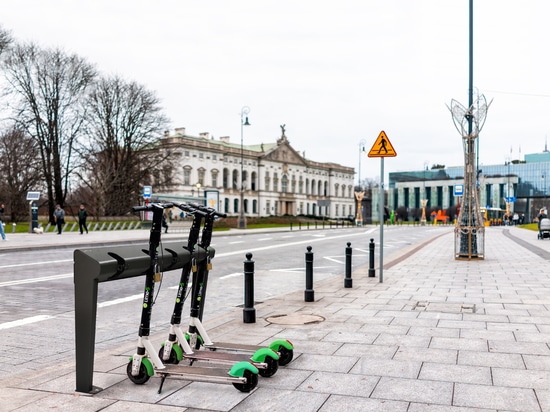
<point x="470" y="229"/>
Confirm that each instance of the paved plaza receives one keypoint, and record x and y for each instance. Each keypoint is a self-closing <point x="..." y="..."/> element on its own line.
<point x="438" y="334"/>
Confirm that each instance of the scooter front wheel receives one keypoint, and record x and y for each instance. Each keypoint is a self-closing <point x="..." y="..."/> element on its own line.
<point x="141" y="377"/>
<point x="285" y="355"/>
<point x="251" y="382"/>
<point x="272" y="367"/>
<point x="172" y="359"/>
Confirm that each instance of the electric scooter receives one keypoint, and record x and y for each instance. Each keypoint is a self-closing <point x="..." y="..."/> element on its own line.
<point x="197" y="333"/>
<point x="177" y="348"/>
<point x="145" y="362"/>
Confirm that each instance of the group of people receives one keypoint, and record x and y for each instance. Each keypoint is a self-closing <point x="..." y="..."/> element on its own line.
<point x="59" y="217"/>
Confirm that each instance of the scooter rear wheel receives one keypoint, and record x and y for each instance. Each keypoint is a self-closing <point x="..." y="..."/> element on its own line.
<point x="141" y="377"/>
<point x="251" y="382"/>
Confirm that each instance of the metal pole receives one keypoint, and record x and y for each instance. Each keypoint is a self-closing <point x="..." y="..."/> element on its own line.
<point x="249" y="313"/>
<point x="309" y="292"/>
<point x="348" y="281"/>
<point x="381" y="266"/>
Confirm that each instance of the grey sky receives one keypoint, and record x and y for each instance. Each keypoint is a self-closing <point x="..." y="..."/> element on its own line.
<point x="333" y="72"/>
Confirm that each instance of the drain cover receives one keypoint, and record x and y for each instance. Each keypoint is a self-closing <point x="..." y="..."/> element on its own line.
<point x="295" y="319"/>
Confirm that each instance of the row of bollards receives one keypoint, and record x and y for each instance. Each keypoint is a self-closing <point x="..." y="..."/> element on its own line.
<point x="249" y="313"/>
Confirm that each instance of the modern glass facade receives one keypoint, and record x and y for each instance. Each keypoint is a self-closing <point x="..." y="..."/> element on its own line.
<point x="524" y="184"/>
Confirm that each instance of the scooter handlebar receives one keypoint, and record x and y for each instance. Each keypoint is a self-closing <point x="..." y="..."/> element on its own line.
<point x="152" y="206"/>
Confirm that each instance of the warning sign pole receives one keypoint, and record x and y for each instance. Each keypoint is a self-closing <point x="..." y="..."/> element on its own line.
<point x="381" y="247"/>
<point x="382" y="148"/>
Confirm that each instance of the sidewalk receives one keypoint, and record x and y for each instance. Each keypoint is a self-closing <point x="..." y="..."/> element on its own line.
<point x="437" y="335"/>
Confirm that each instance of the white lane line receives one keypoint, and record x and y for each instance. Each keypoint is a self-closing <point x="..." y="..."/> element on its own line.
<point x="121" y="300"/>
<point x="231" y="275"/>
<point x="235" y="242"/>
<point x="264" y="239"/>
<point x="35" y="263"/>
<point x="26" y="321"/>
<point x="33" y="280"/>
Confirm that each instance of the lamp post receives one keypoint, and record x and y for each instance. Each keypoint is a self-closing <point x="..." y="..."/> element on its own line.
<point x="244" y="122"/>
<point x="362" y="150"/>
<point x="198" y="185"/>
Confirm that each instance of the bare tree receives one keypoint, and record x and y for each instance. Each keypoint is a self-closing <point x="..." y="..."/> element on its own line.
<point x="46" y="89"/>
<point x="5" y="39"/>
<point x="124" y="122"/>
<point x="20" y="170"/>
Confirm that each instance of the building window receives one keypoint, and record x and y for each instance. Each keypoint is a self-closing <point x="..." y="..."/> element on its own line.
<point x="236" y="206"/>
<point x="226" y="184"/>
<point x="275" y="182"/>
<point x="235" y="179"/>
<point x="187" y="176"/>
<point x="253" y="179"/>
<point x="267" y="207"/>
<point x="254" y="206"/>
<point x="201" y="155"/>
<point x="284" y="184"/>
<point x="267" y="181"/>
<point x="293" y="184"/>
<point x="336" y="211"/>
<point x="245" y="203"/>
<point x="214" y="178"/>
<point x="300" y="186"/>
<point x="343" y="190"/>
<point x="186" y="153"/>
<point x="214" y="157"/>
<point x="336" y="188"/>
<point x="201" y="176"/>
<point x="226" y="205"/>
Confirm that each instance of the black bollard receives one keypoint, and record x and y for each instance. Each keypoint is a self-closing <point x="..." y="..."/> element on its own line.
<point x="249" y="313"/>
<point x="348" y="281"/>
<point x="309" y="292"/>
<point x="299" y="225"/>
<point x="371" y="259"/>
<point x="291" y="226"/>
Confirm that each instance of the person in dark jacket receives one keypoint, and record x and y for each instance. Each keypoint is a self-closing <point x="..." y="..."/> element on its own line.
<point x="59" y="216"/>
<point x="82" y="216"/>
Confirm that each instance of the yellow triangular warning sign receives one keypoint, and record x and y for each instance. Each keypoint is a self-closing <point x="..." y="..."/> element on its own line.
<point x="382" y="147"/>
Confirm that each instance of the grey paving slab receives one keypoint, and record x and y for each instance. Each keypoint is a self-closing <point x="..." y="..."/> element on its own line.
<point x="537" y="379"/>
<point x="495" y="397"/>
<point x="414" y="390"/>
<point x="282" y="401"/>
<point x="337" y="403"/>
<point x="456" y="373"/>
<point x="489" y="359"/>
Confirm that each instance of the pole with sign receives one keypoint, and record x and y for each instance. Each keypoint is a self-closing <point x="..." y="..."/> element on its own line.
<point x="147" y="193"/>
<point x="382" y="148"/>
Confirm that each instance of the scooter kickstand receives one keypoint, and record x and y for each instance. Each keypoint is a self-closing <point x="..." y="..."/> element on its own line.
<point x="161" y="383"/>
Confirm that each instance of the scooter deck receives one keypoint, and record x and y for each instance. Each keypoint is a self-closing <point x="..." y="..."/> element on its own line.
<point x="233" y="347"/>
<point x="198" y="373"/>
<point x="223" y="357"/>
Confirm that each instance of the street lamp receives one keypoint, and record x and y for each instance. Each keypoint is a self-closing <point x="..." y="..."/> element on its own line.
<point x="198" y="185"/>
<point x="362" y="150"/>
<point x="244" y="122"/>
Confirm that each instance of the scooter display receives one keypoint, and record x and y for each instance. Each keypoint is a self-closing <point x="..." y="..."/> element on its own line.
<point x="146" y="362"/>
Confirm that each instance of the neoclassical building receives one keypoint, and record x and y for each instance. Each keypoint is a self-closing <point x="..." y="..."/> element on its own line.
<point x="276" y="179"/>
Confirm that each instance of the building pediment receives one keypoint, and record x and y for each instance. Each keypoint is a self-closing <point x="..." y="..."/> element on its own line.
<point x="283" y="152"/>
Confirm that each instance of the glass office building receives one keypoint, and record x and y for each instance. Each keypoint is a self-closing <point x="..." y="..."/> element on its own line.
<point x="523" y="184"/>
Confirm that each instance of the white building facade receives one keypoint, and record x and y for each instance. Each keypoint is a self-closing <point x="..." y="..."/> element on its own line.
<point x="276" y="179"/>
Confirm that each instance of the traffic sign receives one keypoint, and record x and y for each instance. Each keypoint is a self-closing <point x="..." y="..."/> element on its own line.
<point x="459" y="190"/>
<point x="147" y="192"/>
<point x="382" y="147"/>
<point x="510" y="199"/>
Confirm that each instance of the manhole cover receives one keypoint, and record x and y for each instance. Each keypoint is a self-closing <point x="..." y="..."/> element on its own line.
<point x="295" y="319"/>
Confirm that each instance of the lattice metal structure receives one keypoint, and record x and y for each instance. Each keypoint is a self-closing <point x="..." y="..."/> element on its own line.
<point x="470" y="229"/>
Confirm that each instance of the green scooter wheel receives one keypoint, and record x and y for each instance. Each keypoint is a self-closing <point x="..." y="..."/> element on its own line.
<point x="141" y="377"/>
<point x="251" y="382"/>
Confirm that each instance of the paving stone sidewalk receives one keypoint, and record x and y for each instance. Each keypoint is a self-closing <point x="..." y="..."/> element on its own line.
<point x="437" y="335"/>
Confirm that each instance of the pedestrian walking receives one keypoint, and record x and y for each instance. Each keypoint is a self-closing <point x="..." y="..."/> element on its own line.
<point x="2" y="223"/>
<point x="164" y="224"/>
<point x="59" y="216"/>
<point x="82" y="216"/>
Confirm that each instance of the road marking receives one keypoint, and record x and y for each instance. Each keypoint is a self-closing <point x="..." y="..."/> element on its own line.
<point x="232" y="275"/>
<point x="333" y="260"/>
<point x="264" y="239"/>
<point x="236" y="241"/>
<point x="35" y="263"/>
<point x="33" y="280"/>
<point x="26" y="321"/>
<point x="121" y="300"/>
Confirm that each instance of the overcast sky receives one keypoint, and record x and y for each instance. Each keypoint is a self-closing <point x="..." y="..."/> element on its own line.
<point x="334" y="72"/>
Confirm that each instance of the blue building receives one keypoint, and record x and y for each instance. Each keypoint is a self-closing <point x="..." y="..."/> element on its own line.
<point x="521" y="186"/>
